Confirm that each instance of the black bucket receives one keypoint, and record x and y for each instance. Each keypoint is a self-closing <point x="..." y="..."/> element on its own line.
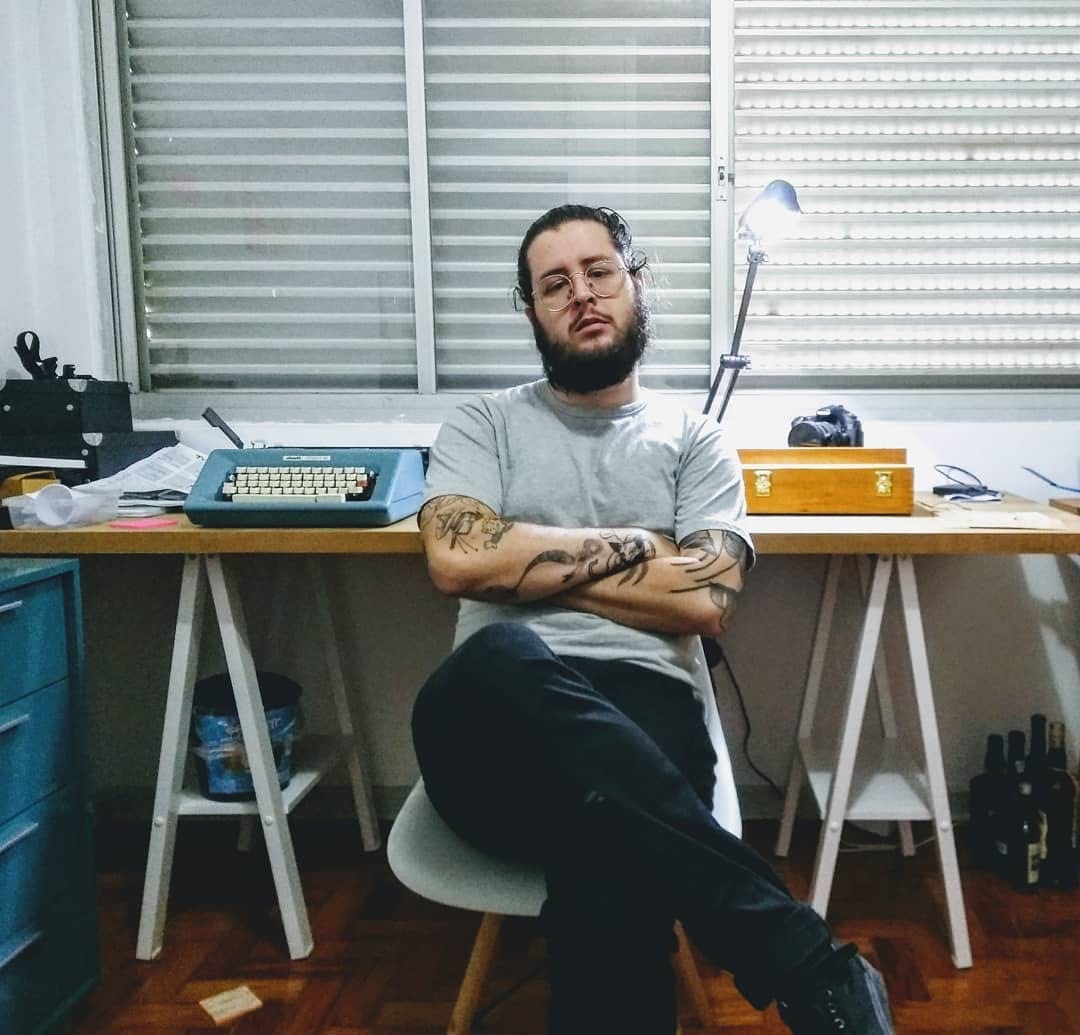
<point x="218" y="745"/>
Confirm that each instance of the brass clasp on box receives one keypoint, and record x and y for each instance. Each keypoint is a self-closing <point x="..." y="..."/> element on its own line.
<point x="762" y="482"/>
<point x="883" y="482"/>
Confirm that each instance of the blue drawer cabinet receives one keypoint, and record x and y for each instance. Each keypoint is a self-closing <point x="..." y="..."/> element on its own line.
<point x="49" y="955"/>
<point x="33" y="640"/>
<point x="35" y="747"/>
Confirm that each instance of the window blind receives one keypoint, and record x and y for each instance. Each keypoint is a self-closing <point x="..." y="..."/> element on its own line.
<point x="268" y="171"/>
<point x="934" y="148"/>
<point x="534" y="105"/>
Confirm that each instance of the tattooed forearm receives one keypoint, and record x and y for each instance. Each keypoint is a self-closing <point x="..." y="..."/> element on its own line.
<point x="718" y="554"/>
<point x="724" y="598"/>
<point x="716" y="557"/>
<point x="613" y="552"/>
<point x="585" y="557"/>
<point x="473" y="552"/>
<point x="456" y="517"/>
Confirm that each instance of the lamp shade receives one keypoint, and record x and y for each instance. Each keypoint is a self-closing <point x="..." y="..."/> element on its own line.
<point x="770" y="214"/>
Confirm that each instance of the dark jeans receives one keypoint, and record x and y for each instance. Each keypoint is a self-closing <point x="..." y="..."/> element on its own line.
<point x="602" y="772"/>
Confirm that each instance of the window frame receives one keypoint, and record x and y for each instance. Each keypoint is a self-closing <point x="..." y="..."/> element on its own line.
<point x="1058" y="394"/>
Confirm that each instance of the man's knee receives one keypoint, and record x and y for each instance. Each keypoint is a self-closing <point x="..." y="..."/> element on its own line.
<point x="483" y="673"/>
<point x="502" y="644"/>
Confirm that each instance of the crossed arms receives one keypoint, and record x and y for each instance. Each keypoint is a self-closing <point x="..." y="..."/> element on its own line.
<point x="631" y="575"/>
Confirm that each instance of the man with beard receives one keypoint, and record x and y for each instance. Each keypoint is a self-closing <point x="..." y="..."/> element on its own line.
<point x="592" y="531"/>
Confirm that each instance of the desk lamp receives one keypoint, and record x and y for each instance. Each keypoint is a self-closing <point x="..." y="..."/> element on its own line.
<point x="768" y="215"/>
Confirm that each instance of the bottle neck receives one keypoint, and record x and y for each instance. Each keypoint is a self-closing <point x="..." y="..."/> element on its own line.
<point x="1016" y="751"/>
<point x="1038" y="736"/>
<point x="994" y="761"/>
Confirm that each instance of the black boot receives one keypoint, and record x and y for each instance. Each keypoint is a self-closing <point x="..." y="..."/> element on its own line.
<point x="842" y="994"/>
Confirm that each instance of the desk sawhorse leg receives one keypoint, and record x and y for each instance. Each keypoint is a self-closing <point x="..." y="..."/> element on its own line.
<point x="271" y="803"/>
<point x="890" y="787"/>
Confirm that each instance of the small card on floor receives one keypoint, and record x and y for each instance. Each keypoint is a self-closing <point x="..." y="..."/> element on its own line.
<point x="227" y="1006"/>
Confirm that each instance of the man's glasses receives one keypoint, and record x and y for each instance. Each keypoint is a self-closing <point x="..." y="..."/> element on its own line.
<point x="603" y="279"/>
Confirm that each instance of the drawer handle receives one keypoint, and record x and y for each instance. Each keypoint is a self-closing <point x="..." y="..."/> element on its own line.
<point x="13" y="606"/>
<point x="15" y="723"/>
<point x="31" y="939"/>
<point x="19" y="835"/>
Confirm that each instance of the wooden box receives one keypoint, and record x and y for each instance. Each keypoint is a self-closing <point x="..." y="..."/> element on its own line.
<point x="827" y="480"/>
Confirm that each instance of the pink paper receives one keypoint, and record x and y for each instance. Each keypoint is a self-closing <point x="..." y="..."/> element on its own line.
<point x="143" y="522"/>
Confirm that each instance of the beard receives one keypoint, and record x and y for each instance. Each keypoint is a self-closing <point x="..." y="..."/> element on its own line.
<point x="601" y="368"/>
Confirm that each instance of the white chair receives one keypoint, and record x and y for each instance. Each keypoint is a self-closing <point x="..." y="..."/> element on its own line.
<point x="431" y="860"/>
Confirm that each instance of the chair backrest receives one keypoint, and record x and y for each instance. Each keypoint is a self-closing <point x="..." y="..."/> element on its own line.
<point x="725" y="798"/>
<point x="431" y="860"/>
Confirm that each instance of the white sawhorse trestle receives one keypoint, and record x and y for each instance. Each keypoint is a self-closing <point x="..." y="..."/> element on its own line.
<point x="312" y="758"/>
<point x="888" y="784"/>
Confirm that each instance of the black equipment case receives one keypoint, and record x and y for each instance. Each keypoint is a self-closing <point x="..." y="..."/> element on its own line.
<point x="60" y="407"/>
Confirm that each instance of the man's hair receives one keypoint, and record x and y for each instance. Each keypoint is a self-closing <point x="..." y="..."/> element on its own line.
<point x="634" y="260"/>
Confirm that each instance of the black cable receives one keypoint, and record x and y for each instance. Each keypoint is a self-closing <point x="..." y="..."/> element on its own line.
<point x="875" y="840"/>
<point x="1056" y="485"/>
<point x="715" y="650"/>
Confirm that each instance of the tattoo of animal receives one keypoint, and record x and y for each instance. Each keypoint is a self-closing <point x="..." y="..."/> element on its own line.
<point x="456" y="517"/>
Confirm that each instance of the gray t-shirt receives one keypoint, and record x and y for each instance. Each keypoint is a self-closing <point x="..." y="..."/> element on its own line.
<point x="648" y="464"/>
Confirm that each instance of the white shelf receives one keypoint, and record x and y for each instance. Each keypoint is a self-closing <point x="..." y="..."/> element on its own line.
<point x="886" y="784"/>
<point x="313" y="757"/>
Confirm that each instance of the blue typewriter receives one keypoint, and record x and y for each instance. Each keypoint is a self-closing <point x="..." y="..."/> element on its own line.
<point x="306" y="487"/>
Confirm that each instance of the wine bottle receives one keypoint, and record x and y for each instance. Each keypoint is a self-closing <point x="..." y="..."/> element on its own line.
<point x="1035" y="772"/>
<point x="1025" y="853"/>
<point x="1015" y="760"/>
<point x="989" y="793"/>
<point x="1035" y="763"/>
<point x="1014" y="773"/>
<point x="1059" y="868"/>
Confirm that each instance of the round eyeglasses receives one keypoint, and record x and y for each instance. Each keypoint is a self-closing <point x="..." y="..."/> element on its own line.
<point x="603" y="279"/>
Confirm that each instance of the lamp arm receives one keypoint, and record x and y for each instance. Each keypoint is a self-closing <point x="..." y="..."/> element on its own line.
<point x="731" y="360"/>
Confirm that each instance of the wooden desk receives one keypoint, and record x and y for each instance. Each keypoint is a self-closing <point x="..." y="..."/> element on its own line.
<point x="887" y="790"/>
<point x="186" y="538"/>
<point x="920" y="534"/>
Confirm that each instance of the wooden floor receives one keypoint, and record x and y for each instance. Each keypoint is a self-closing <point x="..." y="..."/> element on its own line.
<point x="387" y="963"/>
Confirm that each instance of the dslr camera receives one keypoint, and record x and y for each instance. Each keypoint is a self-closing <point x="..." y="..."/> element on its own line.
<point x="829" y="426"/>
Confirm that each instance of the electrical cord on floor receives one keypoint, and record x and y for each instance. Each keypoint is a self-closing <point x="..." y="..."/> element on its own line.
<point x="714" y="653"/>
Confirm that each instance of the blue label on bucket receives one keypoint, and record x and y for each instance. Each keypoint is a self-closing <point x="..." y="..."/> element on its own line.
<point x="221" y="746"/>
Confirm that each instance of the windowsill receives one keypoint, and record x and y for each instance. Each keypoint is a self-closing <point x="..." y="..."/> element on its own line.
<point x="749" y="406"/>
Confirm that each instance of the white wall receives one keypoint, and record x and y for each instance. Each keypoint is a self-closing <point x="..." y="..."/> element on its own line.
<point x="1003" y="632"/>
<point x="51" y="218"/>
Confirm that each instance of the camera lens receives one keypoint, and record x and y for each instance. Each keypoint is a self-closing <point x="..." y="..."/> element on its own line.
<point x="811" y="433"/>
